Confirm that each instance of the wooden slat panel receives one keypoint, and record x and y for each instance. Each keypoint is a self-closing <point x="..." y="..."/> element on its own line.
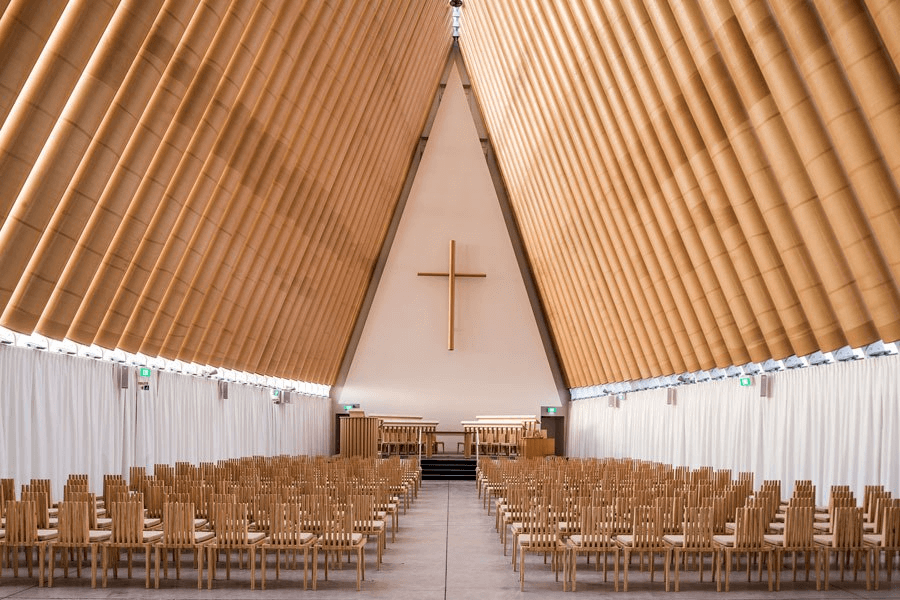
<point x="53" y="171"/>
<point x="229" y="121"/>
<point x="697" y="184"/>
<point x="697" y="148"/>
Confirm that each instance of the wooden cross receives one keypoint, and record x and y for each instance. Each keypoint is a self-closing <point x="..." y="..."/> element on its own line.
<point x="451" y="275"/>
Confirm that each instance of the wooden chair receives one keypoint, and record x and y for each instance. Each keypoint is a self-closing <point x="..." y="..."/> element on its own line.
<point x="22" y="533"/>
<point x="366" y="522"/>
<point x="232" y="529"/>
<point x="128" y="533"/>
<point x="645" y="539"/>
<point x="338" y="537"/>
<point x="846" y="537"/>
<point x="797" y="537"/>
<point x="179" y="534"/>
<point x="287" y="535"/>
<point x="696" y="538"/>
<point x="75" y="534"/>
<point x="747" y="539"/>
<point x="596" y="537"/>
<point x="888" y="540"/>
<point x="540" y="536"/>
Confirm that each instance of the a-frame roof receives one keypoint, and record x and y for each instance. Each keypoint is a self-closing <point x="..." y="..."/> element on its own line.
<point x="696" y="184"/>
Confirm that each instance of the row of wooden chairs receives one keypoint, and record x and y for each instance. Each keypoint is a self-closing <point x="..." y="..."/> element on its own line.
<point x="566" y="508"/>
<point x="312" y="505"/>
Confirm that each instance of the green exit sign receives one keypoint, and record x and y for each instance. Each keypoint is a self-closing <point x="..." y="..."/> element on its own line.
<point x="348" y="407"/>
<point x="551" y="409"/>
<point x="746" y="381"/>
<point x="145" y="372"/>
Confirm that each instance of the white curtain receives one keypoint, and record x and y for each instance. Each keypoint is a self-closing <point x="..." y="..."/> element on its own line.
<point x="63" y="414"/>
<point x="834" y="424"/>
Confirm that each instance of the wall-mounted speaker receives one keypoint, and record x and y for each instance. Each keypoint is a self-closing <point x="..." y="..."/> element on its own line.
<point x="121" y="374"/>
<point x="670" y="396"/>
<point x="765" y="386"/>
<point x="223" y="390"/>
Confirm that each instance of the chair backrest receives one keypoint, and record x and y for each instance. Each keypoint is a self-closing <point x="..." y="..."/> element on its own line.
<point x="798" y="526"/>
<point x="136" y="478"/>
<point x="74" y="524"/>
<point x="363" y="506"/>
<point x="698" y="527"/>
<point x="128" y="521"/>
<point x="261" y="507"/>
<point x="41" y="505"/>
<point x="155" y="495"/>
<point x="21" y="522"/>
<point x="750" y="526"/>
<point x="538" y="524"/>
<point x="91" y="500"/>
<point x="232" y="522"/>
<point x="178" y="523"/>
<point x="890" y="524"/>
<point x="872" y="505"/>
<point x="847" y="527"/>
<point x="286" y="524"/>
<point x="646" y="526"/>
<point x="598" y="525"/>
<point x="9" y="489"/>
<point x="337" y="526"/>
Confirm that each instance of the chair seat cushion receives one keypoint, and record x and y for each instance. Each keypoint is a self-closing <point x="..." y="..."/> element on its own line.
<point x="625" y="540"/>
<point x="825" y="540"/>
<point x="95" y="535"/>
<point x="47" y="534"/>
<point x="203" y="536"/>
<point x="778" y="526"/>
<point x="578" y="540"/>
<point x="674" y="539"/>
<point x="526" y="540"/>
<point x="378" y="525"/>
<point x="775" y="539"/>
<point x="151" y="522"/>
<point x="331" y="538"/>
<point x="150" y="537"/>
<point x="875" y="539"/>
<point x="304" y="538"/>
<point x="724" y="540"/>
<point x="2" y="534"/>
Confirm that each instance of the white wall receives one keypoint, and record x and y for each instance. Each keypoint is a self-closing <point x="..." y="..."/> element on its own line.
<point x="834" y="424"/>
<point x="64" y="414"/>
<point x="401" y="364"/>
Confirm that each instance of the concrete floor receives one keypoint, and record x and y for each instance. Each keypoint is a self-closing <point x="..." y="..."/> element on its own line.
<point x="446" y="549"/>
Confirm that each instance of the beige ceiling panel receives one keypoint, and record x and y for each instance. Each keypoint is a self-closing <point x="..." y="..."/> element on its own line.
<point x="886" y="15"/>
<point x="697" y="184"/>
<point x="75" y="206"/>
<point x="25" y="28"/>
<point x="160" y="199"/>
<point x="682" y="146"/>
<point x="747" y="216"/>
<point x="54" y="169"/>
<point x="59" y="317"/>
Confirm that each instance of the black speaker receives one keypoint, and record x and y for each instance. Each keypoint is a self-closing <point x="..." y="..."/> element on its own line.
<point x="223" y="390"/>
<point x="122" y="376"/>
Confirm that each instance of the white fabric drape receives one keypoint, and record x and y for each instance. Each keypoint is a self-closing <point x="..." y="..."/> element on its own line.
<point x="834" y="424"/>
<point x="63" y="414"/>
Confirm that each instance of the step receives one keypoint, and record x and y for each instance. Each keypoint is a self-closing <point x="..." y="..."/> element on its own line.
<point x="456" y="469"/>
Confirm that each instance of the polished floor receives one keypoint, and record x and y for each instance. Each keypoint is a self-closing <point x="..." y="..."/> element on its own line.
<point x="446" y="549"/>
